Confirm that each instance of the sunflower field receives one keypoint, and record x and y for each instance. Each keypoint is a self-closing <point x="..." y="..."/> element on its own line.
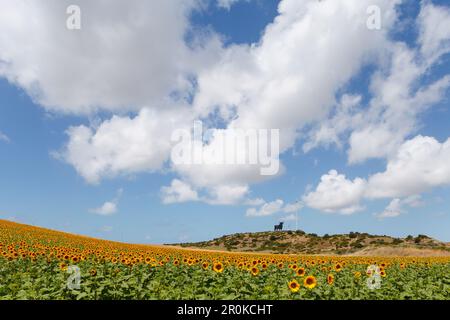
<point x="37" y="263"/>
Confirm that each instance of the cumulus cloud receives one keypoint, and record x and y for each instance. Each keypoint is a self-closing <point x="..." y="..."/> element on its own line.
<point x="268" y="86"/>
<point x="378" y="129"/>
<point x="336" y="193"/>
<point x="290" y="217"/>
<point x="266" y="209"/>
<point x="178" y="191"/>
<point x="109" y="207"/>
<point x="265" y="85"/>
<point x="126" y="55"/>
<point x="400" y="92"/>
<point x="434" y="34"/>
<point x="254" y="202"/>
<point x="329" y="132"/>
<point x="133" y="60"/>
<point x="293" y="207"/>
<point x="261" y="85"/>
<point x="394" y="209"/>
<point x="397" y="103"/>
<point x="396" y="206"/>
<point x="420" y="164"/>
<point x="274" y="207"/>
<point x="227" y="194"/>
<point x="124" y="145"/>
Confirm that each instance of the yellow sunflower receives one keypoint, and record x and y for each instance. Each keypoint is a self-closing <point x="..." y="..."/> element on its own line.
<point x="301" y="272"/>
<point x="218" y="267"/>
<point x="254" y="271"/>
<point x="310" y="282"/>
<point x="330" y="279"/>
<point x="294" y="286"/>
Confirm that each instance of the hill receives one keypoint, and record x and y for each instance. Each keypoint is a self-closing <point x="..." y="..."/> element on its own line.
<point x="299" y="242"/>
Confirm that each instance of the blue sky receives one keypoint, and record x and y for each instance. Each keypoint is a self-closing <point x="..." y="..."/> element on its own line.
<point x="51" y="179"/>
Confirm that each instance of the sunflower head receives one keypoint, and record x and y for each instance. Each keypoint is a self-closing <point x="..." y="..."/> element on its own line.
<point x="301" y="272"/>
<point x="310" y="282"/>
<point x="294" y="286"/>
<point x="218" y="267"/>
<point x="254" y="271"/>
<point x="63" y="266"/>
<point x="330" y="279"/>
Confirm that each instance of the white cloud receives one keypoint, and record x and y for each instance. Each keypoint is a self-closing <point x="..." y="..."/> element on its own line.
<point x="207" y="175"/>
<point x="108" y="208"/>
<point x="394" y="209"/>
<point x="266" y="209"/>
<point x="271" y="208"/>
<point x="126" y="55"/>
<point x="329" y="132"/>
<point x="226" y="4"/>
<point x="178" y="191"/>
<point x="290" y="217"/>
<point x="400" y="93"/>
<point x="221" y="194"/>
<point x="254" y="202"/>
<point x="434" y="35"/>
<point x="269" y="86"/>
<point x="4" y="137"/>
<point x="420" y="164"/>
<point x="378" y="130"/>
<point x="293" y="207"/>
<point x="336" y="193"/>
<point x="266" y="85"/>
<point x="124" y="145"/>
<point x="133" y="57"/>
<point x="227" y="194"/>
<point x="414" y="201"/>
<point x="396" y="206"/>
<point x="397" y="103"/>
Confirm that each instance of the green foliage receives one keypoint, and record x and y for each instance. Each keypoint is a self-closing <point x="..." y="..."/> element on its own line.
<point x="24" y="279"/>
